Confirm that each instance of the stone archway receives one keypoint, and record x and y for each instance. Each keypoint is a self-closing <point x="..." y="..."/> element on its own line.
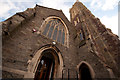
<point x="86" y="72"/>
<point x="40" y="61"/>
<point x="47" y="66"/>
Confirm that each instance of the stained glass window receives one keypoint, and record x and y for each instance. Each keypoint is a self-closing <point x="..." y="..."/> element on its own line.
<point x="54" y="29"/>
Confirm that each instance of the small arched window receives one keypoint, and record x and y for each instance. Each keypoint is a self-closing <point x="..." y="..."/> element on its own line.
<point x="81" y="36"/>
<point x="55" y="30"/>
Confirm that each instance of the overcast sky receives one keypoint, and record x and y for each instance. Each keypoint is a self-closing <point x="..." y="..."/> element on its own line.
<point x="106" y="10"/>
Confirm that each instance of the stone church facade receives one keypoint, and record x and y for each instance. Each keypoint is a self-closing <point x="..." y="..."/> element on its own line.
<point x="41" y="43"/>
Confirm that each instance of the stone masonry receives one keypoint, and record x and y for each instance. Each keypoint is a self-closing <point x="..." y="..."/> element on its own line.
<point x="99" y="47"/>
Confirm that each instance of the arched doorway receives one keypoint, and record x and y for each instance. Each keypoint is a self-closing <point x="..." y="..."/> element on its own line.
<point x="47" y="66"/>
<point x="85" y="71"/>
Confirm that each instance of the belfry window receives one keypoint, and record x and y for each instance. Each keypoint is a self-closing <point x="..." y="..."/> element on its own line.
<point x="55" y="30"/>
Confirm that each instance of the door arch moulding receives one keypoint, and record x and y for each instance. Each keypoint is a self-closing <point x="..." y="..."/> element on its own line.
<point x="92" y="73"/>
<point x="33" y="64"/>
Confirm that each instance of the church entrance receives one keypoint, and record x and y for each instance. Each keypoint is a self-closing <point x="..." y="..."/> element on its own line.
<point x="84" y="72"/>
<point x="46" y="67"/>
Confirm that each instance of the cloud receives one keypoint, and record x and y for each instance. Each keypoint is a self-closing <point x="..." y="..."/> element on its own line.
<point x="5" y="7"/>
<point x="10" y="7"/>
<point x="103" y="4"/>
<point x="109" y="4"/>
<point x="58" y="4"/>
<point x="111" y="22"/>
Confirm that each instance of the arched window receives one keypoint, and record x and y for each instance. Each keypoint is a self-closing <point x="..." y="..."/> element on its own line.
<point x="55" y="30"/>
<point x="81" y="36"/>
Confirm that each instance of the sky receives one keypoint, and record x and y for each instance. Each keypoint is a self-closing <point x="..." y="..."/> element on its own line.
<point x="105" y="10"/>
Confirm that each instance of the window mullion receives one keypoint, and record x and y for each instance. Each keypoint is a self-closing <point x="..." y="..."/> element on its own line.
<point x="56" y="31"/>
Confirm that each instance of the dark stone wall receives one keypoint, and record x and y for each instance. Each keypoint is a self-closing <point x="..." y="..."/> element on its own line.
<point x="8" y="75"/>
<point x="21" y="44"/>
<point x="103" y="43"/>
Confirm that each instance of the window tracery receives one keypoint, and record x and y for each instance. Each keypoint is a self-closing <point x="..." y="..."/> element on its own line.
<point x="55" y="30"/>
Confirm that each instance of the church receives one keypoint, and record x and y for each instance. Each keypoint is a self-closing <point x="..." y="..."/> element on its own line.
<point x="42" y="44"/>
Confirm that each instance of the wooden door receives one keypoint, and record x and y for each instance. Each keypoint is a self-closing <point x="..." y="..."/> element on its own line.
<point x="45" y="69"/>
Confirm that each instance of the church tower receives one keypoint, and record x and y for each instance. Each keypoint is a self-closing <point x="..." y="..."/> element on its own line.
<point x="101" y="41"/>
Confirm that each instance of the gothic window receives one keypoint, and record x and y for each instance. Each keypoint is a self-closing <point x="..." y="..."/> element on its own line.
<point x="81" y="36"/>
<point x="55" y="30"/>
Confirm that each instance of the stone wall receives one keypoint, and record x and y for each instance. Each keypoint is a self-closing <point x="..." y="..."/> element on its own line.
<point x="98" y="49"/>
<point x="20" y="43"/>
<point x="100" y="40"/>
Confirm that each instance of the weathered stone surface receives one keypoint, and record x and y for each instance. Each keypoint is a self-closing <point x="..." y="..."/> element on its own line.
<point x="99" y="47"/>
<point x="105" y="44"/>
